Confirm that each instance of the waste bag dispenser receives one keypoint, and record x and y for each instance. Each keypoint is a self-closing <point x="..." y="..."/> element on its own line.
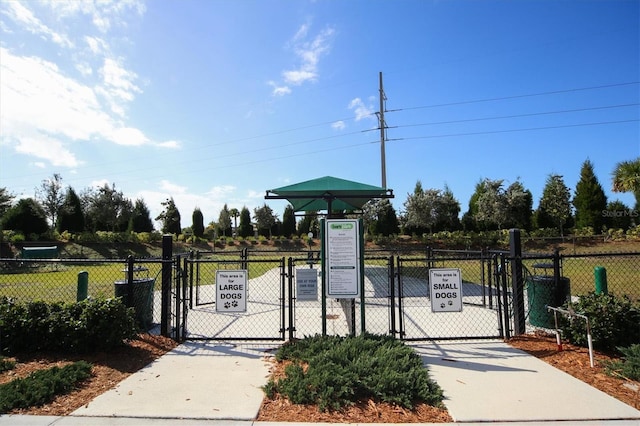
<point x="142" y="293"/>
<point x="543" y="291"/>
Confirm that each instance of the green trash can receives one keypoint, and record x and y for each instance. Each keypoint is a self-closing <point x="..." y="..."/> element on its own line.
<point x="142" y="299"/>
<point x="542" y="291"/>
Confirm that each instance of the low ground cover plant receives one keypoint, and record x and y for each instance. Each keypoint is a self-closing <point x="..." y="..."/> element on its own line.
<point x="6" y="364"/>
<point x="629" y="366"/>
<point x="40" y="387"/>
<point x="334" y="372"/>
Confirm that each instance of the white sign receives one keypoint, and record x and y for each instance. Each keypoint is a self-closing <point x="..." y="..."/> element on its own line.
<point x="343" y="258"/>
<point x="446" y="290"/>
<point x="306" y="284"/>
<point x="231" y="291"/>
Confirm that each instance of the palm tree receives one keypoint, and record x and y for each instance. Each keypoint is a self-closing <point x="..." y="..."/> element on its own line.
<point x="234" y="213"/>
<point x="626" y="178"/>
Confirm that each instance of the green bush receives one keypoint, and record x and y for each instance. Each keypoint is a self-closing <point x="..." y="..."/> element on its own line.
<point x="342" y="371"/>
<point x="89" y="325"/>
<point x="42" y="386"/>
<point x="629" y="366"/>
<point x="614" y="322"/>
<point x="6" y="364"/>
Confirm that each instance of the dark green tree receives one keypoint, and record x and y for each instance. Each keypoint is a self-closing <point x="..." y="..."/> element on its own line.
<point x="309" y="223"/>
<point x="141" y="218"/>
<point x="246" y="229"/>
<point x="50" y="195"/>
<point x="6" y="199"/>
<point x="430" y="210"/>
<point x="519" y="206"/>
<point x="71" y="216"/>
<point x="387" y="220"/>
<point x="556" y="201"/>
<point x="197" y="223"/>
<point x="106" y="209"/>
<point x="265" y="219"/>
<point x="469" y="222"/>
<point x="618" y="215"/>
<point x="170" y="218"/>
<point x="288" y="222"/>
<point x="26" y="217"/>
<point x="589" y="199"/>
<point x="224" y="222"/>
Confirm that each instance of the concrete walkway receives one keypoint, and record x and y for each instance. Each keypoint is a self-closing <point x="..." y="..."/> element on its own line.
<point x="217" y="383"/>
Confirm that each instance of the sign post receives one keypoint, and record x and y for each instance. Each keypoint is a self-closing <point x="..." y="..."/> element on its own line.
<point x="446" y="290"/>
<point x="231" y="291"/>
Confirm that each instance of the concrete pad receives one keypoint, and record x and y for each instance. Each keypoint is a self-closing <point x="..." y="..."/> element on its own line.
<point x="195" y="380"/>
<point x="490" y="381"/>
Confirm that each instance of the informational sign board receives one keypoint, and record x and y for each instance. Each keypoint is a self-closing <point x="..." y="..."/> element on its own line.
<point x="446" y="290"/>
<point x="342" y="239"/>
<point x="231" y="291"/>
<point x="306" y="284"/>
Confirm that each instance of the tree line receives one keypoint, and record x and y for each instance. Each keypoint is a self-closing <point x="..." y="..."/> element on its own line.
<point x="493" y="206"/>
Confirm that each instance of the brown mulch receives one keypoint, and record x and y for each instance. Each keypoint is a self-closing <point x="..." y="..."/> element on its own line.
<point x="111" y="368"/>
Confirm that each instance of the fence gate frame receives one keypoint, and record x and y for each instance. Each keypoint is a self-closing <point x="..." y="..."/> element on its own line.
<point x="187" y="292"/>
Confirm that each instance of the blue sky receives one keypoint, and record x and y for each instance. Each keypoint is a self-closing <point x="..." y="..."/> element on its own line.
<point x="214" y="102"/>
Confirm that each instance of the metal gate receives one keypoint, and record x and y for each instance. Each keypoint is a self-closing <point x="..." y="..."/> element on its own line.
<point x="485" y="298"/>
<point x="395" y="299"/>
<point x="264" y="318"/>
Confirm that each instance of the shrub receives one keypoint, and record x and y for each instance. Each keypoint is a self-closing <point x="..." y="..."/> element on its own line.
<point x="342" y="371"/>
<point x="629" y="366"/>
<point x="614" y="322"/>
<point x="42" y="386"/>
<point x="6" y="364"/>
<point x="89" y="325"/>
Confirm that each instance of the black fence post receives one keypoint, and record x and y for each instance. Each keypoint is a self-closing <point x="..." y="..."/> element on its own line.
<point x="290" y="299"/>
<point x="517" y="281"/>
<point x="391" y="280"/>
<point x="130" y="281"/>
<point x="165" y="314"/>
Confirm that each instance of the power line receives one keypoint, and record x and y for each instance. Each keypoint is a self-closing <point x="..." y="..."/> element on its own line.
<point x="520" y="130"/>
<point x="504" y="98"/>
<point x="469" y="120"/>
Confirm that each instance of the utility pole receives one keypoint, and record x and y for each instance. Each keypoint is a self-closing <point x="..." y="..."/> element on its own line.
<point x="383" y="167"/>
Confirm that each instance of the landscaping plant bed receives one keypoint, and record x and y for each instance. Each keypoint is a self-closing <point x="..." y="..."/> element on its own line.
<point x="109" y="369"/>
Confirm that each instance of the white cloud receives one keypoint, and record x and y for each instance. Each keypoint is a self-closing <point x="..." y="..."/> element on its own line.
<point x="104" y="13"/>
<point x="39" y="103"/>
<point x="170" y="144"/>
<point x="165" y="185"/>
<point x="128" y="136"/>
<point x="361" y="109"/>
<point x="23" y="16"/>
<point x="338" y="125"/>
<point x="221" y="192"/>
<point x="99" y="183"/>
<point x="279" y="90"/>
<point x="309" y="53"/>
<point x="46" y="148"/>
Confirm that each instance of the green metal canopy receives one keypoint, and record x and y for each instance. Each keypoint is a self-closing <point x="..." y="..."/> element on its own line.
<point x="328" y="193"/>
